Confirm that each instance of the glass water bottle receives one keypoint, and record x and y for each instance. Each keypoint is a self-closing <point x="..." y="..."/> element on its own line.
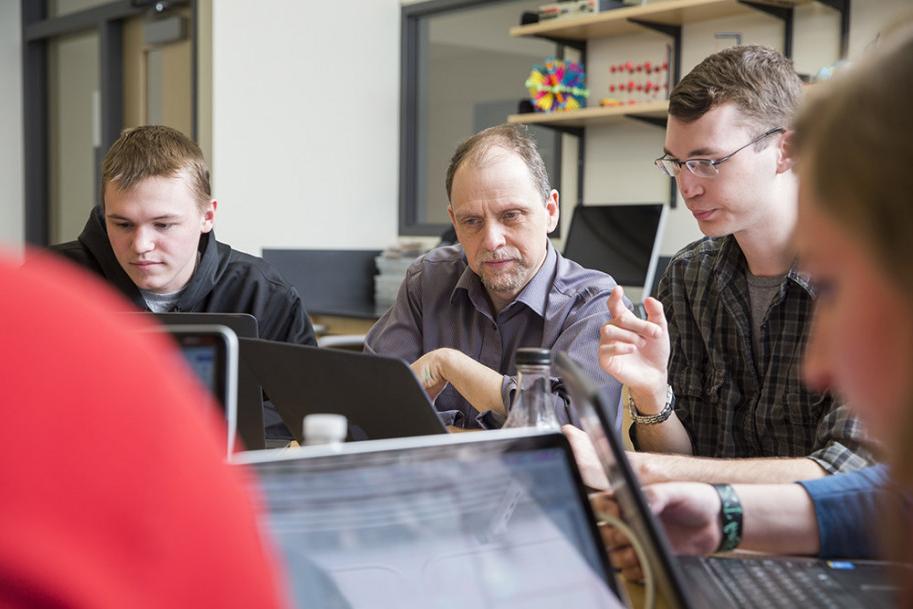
<point x="532" y="403"/>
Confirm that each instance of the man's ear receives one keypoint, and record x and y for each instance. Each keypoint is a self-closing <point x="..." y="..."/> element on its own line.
<point x="209" y="216"/>
<point x="553" y="209"/>
<point x="786" y="159"/>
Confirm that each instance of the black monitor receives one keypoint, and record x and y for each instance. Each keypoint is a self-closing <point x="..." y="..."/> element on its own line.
<point x="330" y="282"/>
<point x="621" y="240"/>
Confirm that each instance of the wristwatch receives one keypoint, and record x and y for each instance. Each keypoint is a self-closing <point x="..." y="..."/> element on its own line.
<point x="652" y="419"/>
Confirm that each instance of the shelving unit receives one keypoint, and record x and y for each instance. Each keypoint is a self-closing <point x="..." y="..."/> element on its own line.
<point x="624" y="20"/>
<point x="652" y="112"/>
<point x="666" y="17"/>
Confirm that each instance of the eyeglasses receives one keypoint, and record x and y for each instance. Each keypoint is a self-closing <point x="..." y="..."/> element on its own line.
<point x="705" y="168"/>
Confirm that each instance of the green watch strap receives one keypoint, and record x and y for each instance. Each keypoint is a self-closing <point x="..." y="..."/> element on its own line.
<point x="730" y="517"/>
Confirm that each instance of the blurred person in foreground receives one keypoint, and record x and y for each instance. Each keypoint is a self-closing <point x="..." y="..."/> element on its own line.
<point x="115" y="489"/>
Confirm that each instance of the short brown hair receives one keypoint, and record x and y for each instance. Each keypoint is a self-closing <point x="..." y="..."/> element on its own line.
<point x="515" y="138"/>
<point x="761" y="82"/>
<point x="155" y="151"/>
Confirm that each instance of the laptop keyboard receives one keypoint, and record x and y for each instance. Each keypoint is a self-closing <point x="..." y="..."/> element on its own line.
<point x="780" y="583"/>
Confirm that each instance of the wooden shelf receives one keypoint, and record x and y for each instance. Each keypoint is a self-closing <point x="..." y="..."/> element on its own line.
<point x="617" y="21"/>
<point x="592" y="116"/>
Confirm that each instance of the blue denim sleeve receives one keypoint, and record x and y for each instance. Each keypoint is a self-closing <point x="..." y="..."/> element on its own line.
<point x="847" y="508"/>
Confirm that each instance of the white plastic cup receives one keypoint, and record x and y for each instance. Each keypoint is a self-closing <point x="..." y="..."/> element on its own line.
<point x="324" y="429"/>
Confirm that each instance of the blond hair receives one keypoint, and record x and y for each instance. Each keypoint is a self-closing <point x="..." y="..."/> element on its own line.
<point x="155" y="151"/>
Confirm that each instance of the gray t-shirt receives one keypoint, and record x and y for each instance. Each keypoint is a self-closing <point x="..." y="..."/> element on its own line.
<point x="161" y="303"/>
<point x="761" y="291"/>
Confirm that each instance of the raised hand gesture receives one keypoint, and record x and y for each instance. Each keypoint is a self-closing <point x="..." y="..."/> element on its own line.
<point x="636" y="351"/>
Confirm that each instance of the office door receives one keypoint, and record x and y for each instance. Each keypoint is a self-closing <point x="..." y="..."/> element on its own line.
<point x="158" y="71"/>
<point x="91" y="68"/>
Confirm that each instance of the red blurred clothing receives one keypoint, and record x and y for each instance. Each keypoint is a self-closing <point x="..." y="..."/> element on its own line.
<point x="113" y="489"/>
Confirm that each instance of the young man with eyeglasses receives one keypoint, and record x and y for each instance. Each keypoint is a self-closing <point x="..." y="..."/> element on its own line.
<point x="713" y="373"/>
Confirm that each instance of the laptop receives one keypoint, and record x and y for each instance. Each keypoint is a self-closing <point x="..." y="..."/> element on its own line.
<point x="489" y="519"/>
<point x="211" y="351"/>
<point x="379" y="395"/>
<point x="717" y="581"/>
<point x="250" y="397"/>
<point x="621" y="240"/>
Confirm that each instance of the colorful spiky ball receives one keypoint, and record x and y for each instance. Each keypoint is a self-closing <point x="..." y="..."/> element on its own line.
<point x="557" y="85"/>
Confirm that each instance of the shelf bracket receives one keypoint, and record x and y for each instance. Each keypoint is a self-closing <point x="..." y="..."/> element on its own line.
<point x="575" y="131"/>
<point x="577" y="45"/>
<point x="785" y="14"/>
<point x="656" y="121"/>
<point x="842" y="7"/>
<point x="674" y="32"/>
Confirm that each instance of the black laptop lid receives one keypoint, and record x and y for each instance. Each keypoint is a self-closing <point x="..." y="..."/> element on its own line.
<point x="378" y="395"/>
<point x="250" y="397"/>
<point x="244" y="325"/>
<point x="595" y="412"/>
<point x="495" y="519"/>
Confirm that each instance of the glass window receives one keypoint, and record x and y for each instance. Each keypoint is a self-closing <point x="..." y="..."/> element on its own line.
<point x="59" y="8"/>
<point x="73" y="122"/>
<point x="469" y="74"/>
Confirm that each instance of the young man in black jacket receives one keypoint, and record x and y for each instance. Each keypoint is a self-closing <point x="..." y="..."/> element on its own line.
<point x="152" y="239"/>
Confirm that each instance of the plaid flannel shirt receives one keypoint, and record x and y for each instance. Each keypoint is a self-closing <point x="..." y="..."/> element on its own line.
<point x="732" y="404"/>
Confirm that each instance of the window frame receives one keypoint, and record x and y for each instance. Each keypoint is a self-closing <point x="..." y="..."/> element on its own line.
<point x="411" y="63"/>
<point x="38" y="30"/>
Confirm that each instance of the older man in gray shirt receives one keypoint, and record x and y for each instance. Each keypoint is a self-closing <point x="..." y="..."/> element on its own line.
<point x="464" y="310"/>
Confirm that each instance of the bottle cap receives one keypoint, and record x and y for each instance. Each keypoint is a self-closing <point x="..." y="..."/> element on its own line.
<point x="530" y="356"/>
<point x="324" y="428"/>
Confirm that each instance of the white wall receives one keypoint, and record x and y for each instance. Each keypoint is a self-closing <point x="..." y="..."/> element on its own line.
<point x="12" y="228"/>
<point x="305" y="123"/>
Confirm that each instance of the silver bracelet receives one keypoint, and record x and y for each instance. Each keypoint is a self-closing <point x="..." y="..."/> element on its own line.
<point x="652" y="419"/>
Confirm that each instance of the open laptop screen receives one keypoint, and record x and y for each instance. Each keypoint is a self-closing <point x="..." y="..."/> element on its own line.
<point x="203" y="359"/>
<point x="250" y="404"/>
<point x="446" y="522"/>
<point x="596" y="418"/>
<point x="211" y="352"/>
<point x="621" y="240"/>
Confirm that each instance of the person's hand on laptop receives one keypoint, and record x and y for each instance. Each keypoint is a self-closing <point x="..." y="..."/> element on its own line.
<point x="591" y="470"/>
<point x="429" y="370"/>
<point x="636" y="351"/>
<point x="645" y="465"/>
<point x="688" y="511"/>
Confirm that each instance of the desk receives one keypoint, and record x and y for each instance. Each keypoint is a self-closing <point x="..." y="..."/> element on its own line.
<point x="636" y="595"/>
<point x="342" y="324"/>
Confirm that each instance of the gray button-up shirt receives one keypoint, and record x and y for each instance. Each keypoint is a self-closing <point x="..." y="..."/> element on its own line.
<point x="442" y="303"/>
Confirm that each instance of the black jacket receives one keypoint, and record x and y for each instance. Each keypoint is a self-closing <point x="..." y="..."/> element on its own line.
<point x="225" y="281"/>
